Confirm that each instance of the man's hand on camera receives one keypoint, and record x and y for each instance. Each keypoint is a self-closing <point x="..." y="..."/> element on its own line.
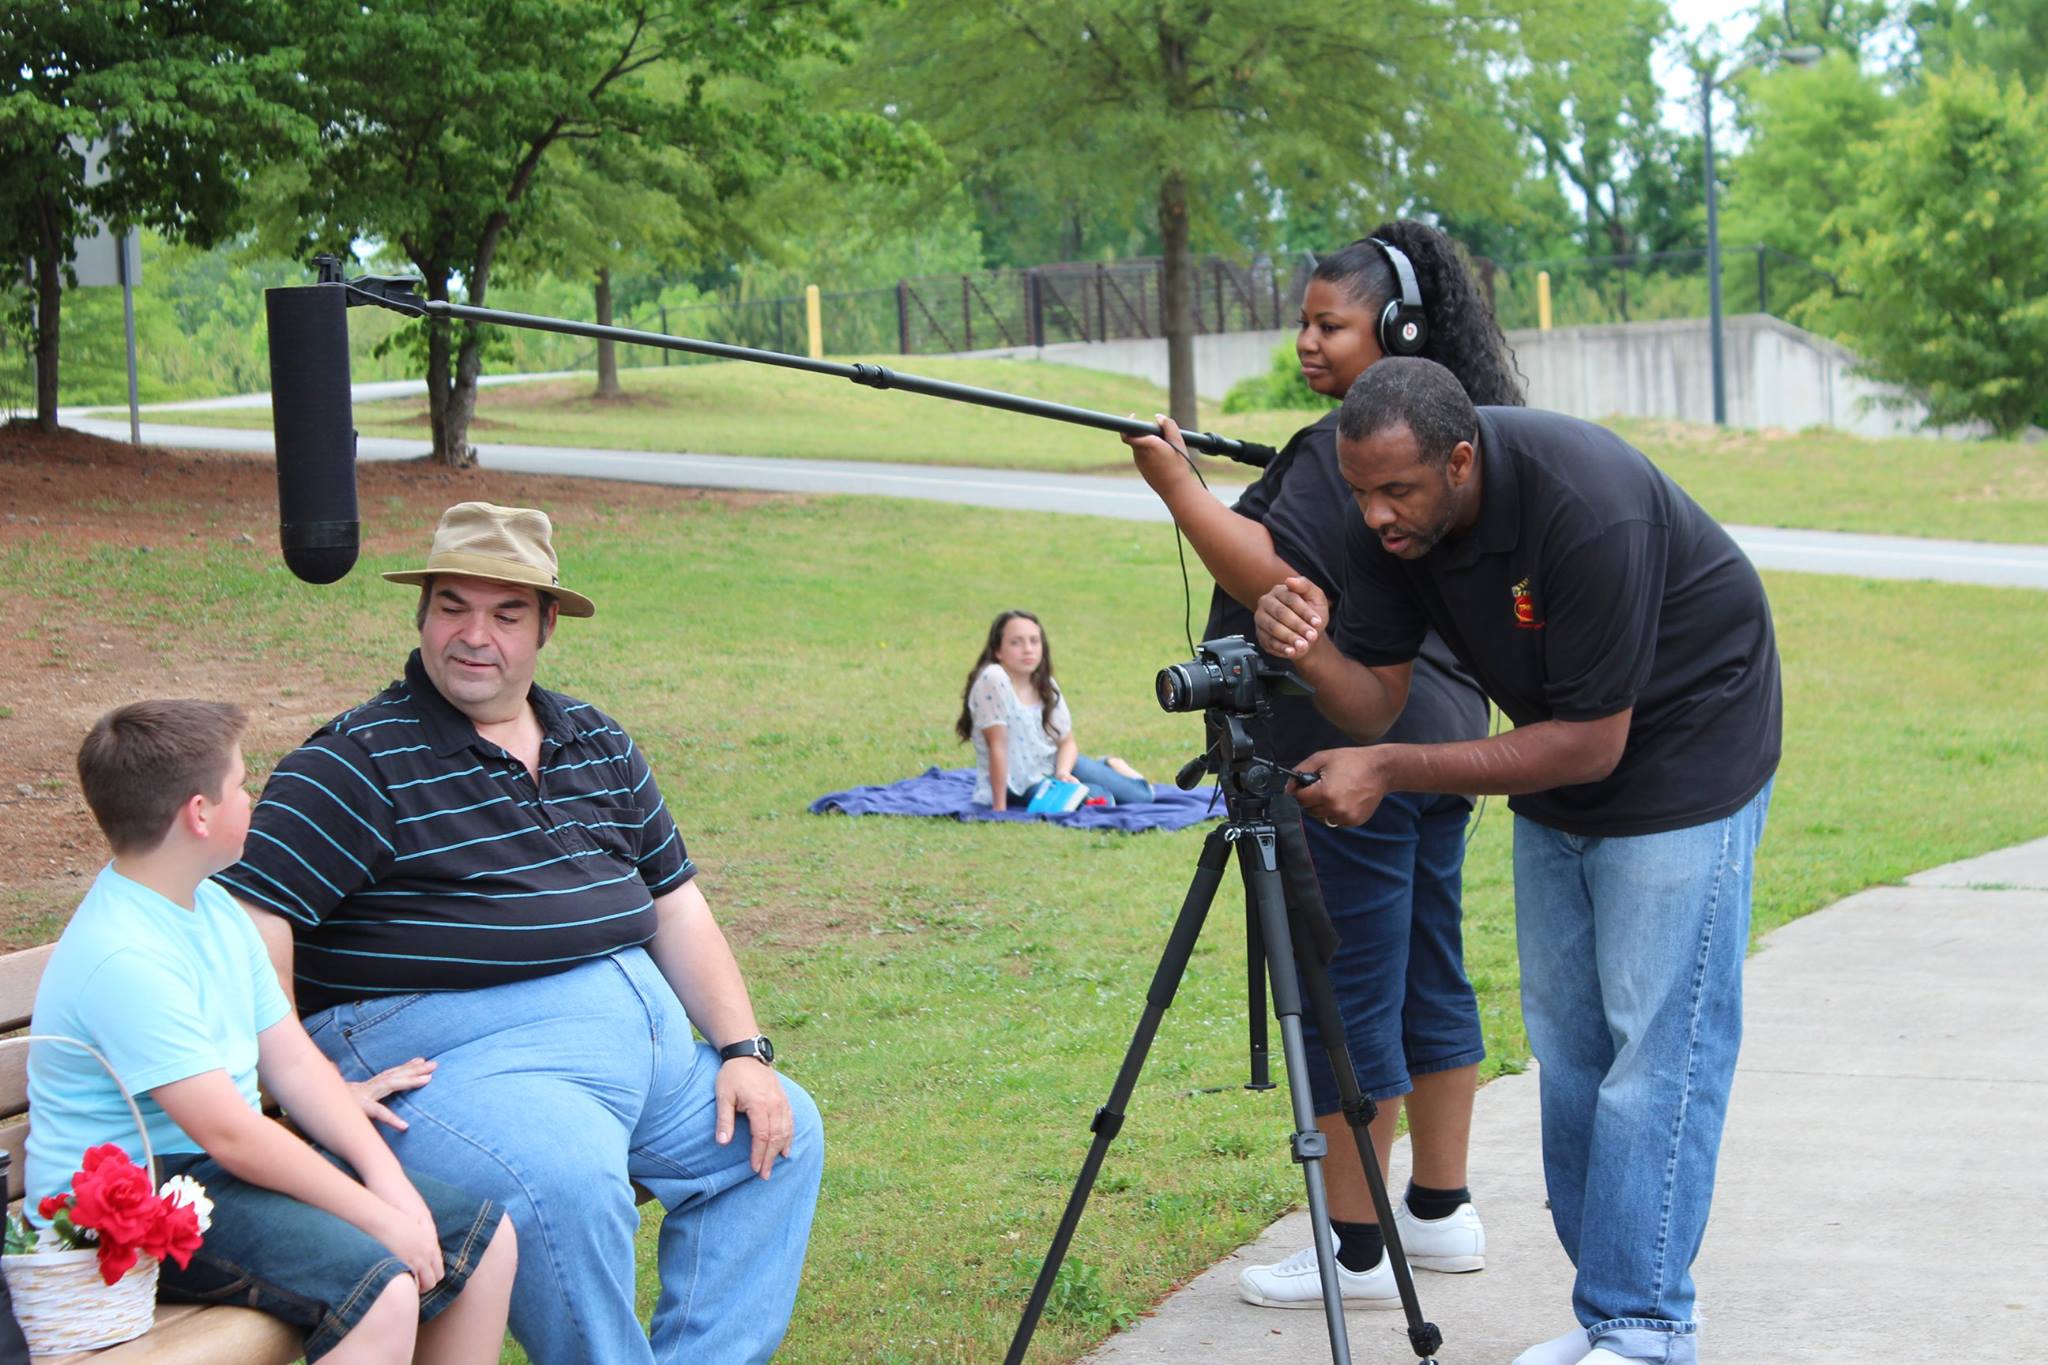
<point x="747" y="1087"/>
<point x="1349" y="786"/>
<point x="1291" y="618"/>
<point x="1160" y="462"/>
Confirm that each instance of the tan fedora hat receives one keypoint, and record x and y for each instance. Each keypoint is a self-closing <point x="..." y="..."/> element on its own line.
<point x="502" y="544"/>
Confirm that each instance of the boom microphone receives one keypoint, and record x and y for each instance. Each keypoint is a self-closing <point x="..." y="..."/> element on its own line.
<point x="317" y="524"/>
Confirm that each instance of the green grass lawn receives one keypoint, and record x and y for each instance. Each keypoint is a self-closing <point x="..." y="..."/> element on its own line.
<point x="1985" y="490"/>
<point x="958" y="996"/>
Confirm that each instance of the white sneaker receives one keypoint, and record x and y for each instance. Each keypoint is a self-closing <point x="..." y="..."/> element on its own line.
<point x="1568" y="1349"/>
<point x="1453" y="1245"/>
<point x="1295" y="1283"/>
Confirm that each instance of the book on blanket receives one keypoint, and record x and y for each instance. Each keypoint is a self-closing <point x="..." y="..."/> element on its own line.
<point x="1054" y="797"/>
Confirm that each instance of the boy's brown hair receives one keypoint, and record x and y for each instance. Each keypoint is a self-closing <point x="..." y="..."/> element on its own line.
<point x="141" y="762"/>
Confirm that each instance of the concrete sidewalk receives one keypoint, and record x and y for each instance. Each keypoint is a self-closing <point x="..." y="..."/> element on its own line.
<point x="1881" y="1192"/>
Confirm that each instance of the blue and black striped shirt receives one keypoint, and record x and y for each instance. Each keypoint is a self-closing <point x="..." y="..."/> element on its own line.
<point x="411" y="854"/>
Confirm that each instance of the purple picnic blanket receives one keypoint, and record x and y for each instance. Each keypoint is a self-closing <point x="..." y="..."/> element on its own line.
<point x="950" y="793"/>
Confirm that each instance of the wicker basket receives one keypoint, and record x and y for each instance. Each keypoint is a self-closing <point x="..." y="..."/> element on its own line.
<point x="60" y="1300"/>
<point x="63" y="1305"/>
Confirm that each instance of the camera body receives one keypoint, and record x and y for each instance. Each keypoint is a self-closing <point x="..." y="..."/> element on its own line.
<point x="1228" y="674"/>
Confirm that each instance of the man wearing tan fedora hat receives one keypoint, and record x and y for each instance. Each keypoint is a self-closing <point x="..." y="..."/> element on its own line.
<point x="473" y="879"/>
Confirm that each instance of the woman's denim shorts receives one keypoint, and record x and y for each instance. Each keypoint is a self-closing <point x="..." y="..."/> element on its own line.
<point x="318" y="1272"/>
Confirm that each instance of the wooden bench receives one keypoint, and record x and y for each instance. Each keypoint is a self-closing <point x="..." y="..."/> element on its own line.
<point x="183" y="1335"/>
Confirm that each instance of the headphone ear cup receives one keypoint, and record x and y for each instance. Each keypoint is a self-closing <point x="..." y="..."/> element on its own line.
<point x="1403" y="331"/>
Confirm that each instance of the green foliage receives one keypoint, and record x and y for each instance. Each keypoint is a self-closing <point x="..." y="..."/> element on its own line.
<point x="1808" y="149"/>
<point x="1078" y="1298"/>
<point x="1280" y="387"/>
<point x="2006" y="37"/>
<point x="1199" y="118"/>
<point x="1947" y="254"/>
<point x="1594" y="112"/>
<point x="191" y="98"/>
<point x="687" y="97"/>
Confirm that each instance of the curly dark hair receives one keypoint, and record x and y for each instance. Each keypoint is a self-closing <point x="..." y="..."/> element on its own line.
<point x="1041" y="676"/>
<point x="1464" y="336"/>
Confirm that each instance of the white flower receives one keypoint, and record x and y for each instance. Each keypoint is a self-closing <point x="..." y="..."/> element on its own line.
<point x="185" y="1190"/>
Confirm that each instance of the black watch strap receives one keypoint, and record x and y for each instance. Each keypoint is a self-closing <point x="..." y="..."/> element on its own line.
<point x="758" y="1047"/>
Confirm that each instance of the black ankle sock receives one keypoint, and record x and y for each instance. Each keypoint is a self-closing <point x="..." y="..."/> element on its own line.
<point x="1426" y="1203"/>
<point x="1359" y="1245"/>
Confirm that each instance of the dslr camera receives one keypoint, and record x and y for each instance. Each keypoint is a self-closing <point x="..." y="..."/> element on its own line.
<point x="1227" y="674"/>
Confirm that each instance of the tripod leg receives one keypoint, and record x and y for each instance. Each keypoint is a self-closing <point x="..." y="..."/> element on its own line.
<point x="1255" y="989"/>
<point x="1260" y="854"/>
<point x="1180" y="945"/>
<point x="1423" y="1335"/>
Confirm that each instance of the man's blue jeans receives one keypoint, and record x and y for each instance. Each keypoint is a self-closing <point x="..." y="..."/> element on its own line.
<point x="1631" y="954"/>
<point x="552" y="1097"/>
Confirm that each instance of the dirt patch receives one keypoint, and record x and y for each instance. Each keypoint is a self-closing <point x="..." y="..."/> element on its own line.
<point x="60" y="670"/>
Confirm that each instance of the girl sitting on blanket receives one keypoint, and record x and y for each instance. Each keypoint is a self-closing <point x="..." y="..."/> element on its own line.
<point x="1012" y="711"/>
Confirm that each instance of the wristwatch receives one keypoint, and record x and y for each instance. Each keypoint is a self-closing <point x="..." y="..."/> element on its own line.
<point x="758" y="1047"/>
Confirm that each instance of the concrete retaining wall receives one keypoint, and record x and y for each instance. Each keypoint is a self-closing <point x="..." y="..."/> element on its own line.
<point x="1778" y="375"/>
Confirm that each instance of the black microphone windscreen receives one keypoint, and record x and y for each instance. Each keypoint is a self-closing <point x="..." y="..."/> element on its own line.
<point x="317" y="524"/>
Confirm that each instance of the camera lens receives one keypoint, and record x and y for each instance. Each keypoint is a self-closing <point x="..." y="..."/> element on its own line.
<point x="1185" y="687"/>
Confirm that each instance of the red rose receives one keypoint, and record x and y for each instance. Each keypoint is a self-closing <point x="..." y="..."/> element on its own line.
<point x="176" y="1235"/>
<point x="53" y="1204"/>
<point x="113" y="1197"/>
<point x="116" y="1261"/>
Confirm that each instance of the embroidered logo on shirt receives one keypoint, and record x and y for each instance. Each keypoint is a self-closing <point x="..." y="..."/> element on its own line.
<point x="1525" y="607"/>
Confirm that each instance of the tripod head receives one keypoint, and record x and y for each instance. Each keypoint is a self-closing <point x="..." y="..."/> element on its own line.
<point x="1232" y="681"/>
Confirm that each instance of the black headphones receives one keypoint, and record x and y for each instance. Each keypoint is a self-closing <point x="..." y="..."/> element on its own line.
<point x="1403" y="330"/>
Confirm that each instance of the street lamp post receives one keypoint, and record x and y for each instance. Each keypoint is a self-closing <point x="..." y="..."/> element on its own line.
<point x="1798" y="56"/>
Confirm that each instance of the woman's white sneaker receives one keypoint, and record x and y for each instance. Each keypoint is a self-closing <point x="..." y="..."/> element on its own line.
<point x="1451" y="1245"/>
<point x="1295" y="1283"/>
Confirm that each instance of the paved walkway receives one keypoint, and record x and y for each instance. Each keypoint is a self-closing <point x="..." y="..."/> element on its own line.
<point x="1953" y="561"/>
<point x="1881" y="1193"/>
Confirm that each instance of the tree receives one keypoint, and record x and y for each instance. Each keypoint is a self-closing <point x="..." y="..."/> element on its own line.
<point x="1947" y="253"/>
<point x="1594" y="113"/>
<point x="1173" y="109"/>
<point x="1849" y="26"/>
<point x="2007" y="37"/>
<point x="443" y="125"/>
<point x="192" y="97"/>
<point x="1809" y="137"/>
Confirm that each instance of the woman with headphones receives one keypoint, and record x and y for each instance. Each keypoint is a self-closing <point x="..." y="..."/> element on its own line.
<point x="1392" y="884"/>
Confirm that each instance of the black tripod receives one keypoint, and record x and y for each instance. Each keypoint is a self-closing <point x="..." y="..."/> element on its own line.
<point x="1285" y="921"/>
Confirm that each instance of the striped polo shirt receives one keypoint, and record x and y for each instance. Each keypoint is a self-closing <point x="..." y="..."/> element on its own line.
<point x="412" y="854"/>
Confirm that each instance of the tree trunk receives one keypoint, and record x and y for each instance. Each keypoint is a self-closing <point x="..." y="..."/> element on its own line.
<point x="438" y="378"/>
<point x="49" y="311"/>
<point x="1177" y="291"/>
<point x="607" y="351"/>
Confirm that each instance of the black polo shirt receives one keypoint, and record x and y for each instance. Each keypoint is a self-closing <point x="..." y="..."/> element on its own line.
<point x="1302" y="501"/>
<point x="1591" y="584"/>
<point x="411" y="854"/>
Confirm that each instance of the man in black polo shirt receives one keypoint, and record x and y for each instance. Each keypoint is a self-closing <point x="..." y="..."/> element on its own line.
<point x="474" y="869"/>
<point x="1630" y="642"/>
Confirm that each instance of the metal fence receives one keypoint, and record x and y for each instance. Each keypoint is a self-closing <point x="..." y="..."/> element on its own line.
<point x="1653" y="286"/>
<point x="1113" y="300"/>
<point x="992" y="309"/>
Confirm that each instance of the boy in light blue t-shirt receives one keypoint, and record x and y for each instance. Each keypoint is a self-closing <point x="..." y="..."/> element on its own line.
<point x="162" y="973"/>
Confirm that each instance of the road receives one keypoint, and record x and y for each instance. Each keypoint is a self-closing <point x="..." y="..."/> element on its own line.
<point x="1829" y="552"/>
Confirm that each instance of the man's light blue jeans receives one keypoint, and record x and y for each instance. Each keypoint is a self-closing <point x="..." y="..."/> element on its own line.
<point x="1631" y="954"/>
<point x="552" y="1097"/>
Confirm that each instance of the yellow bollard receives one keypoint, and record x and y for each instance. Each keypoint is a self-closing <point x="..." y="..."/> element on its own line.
<point x="1543" y="300"/>
<point x="813" y="323"/>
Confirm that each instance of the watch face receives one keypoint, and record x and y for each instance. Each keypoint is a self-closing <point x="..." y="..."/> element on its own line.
<point x="767" y="1049"/>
